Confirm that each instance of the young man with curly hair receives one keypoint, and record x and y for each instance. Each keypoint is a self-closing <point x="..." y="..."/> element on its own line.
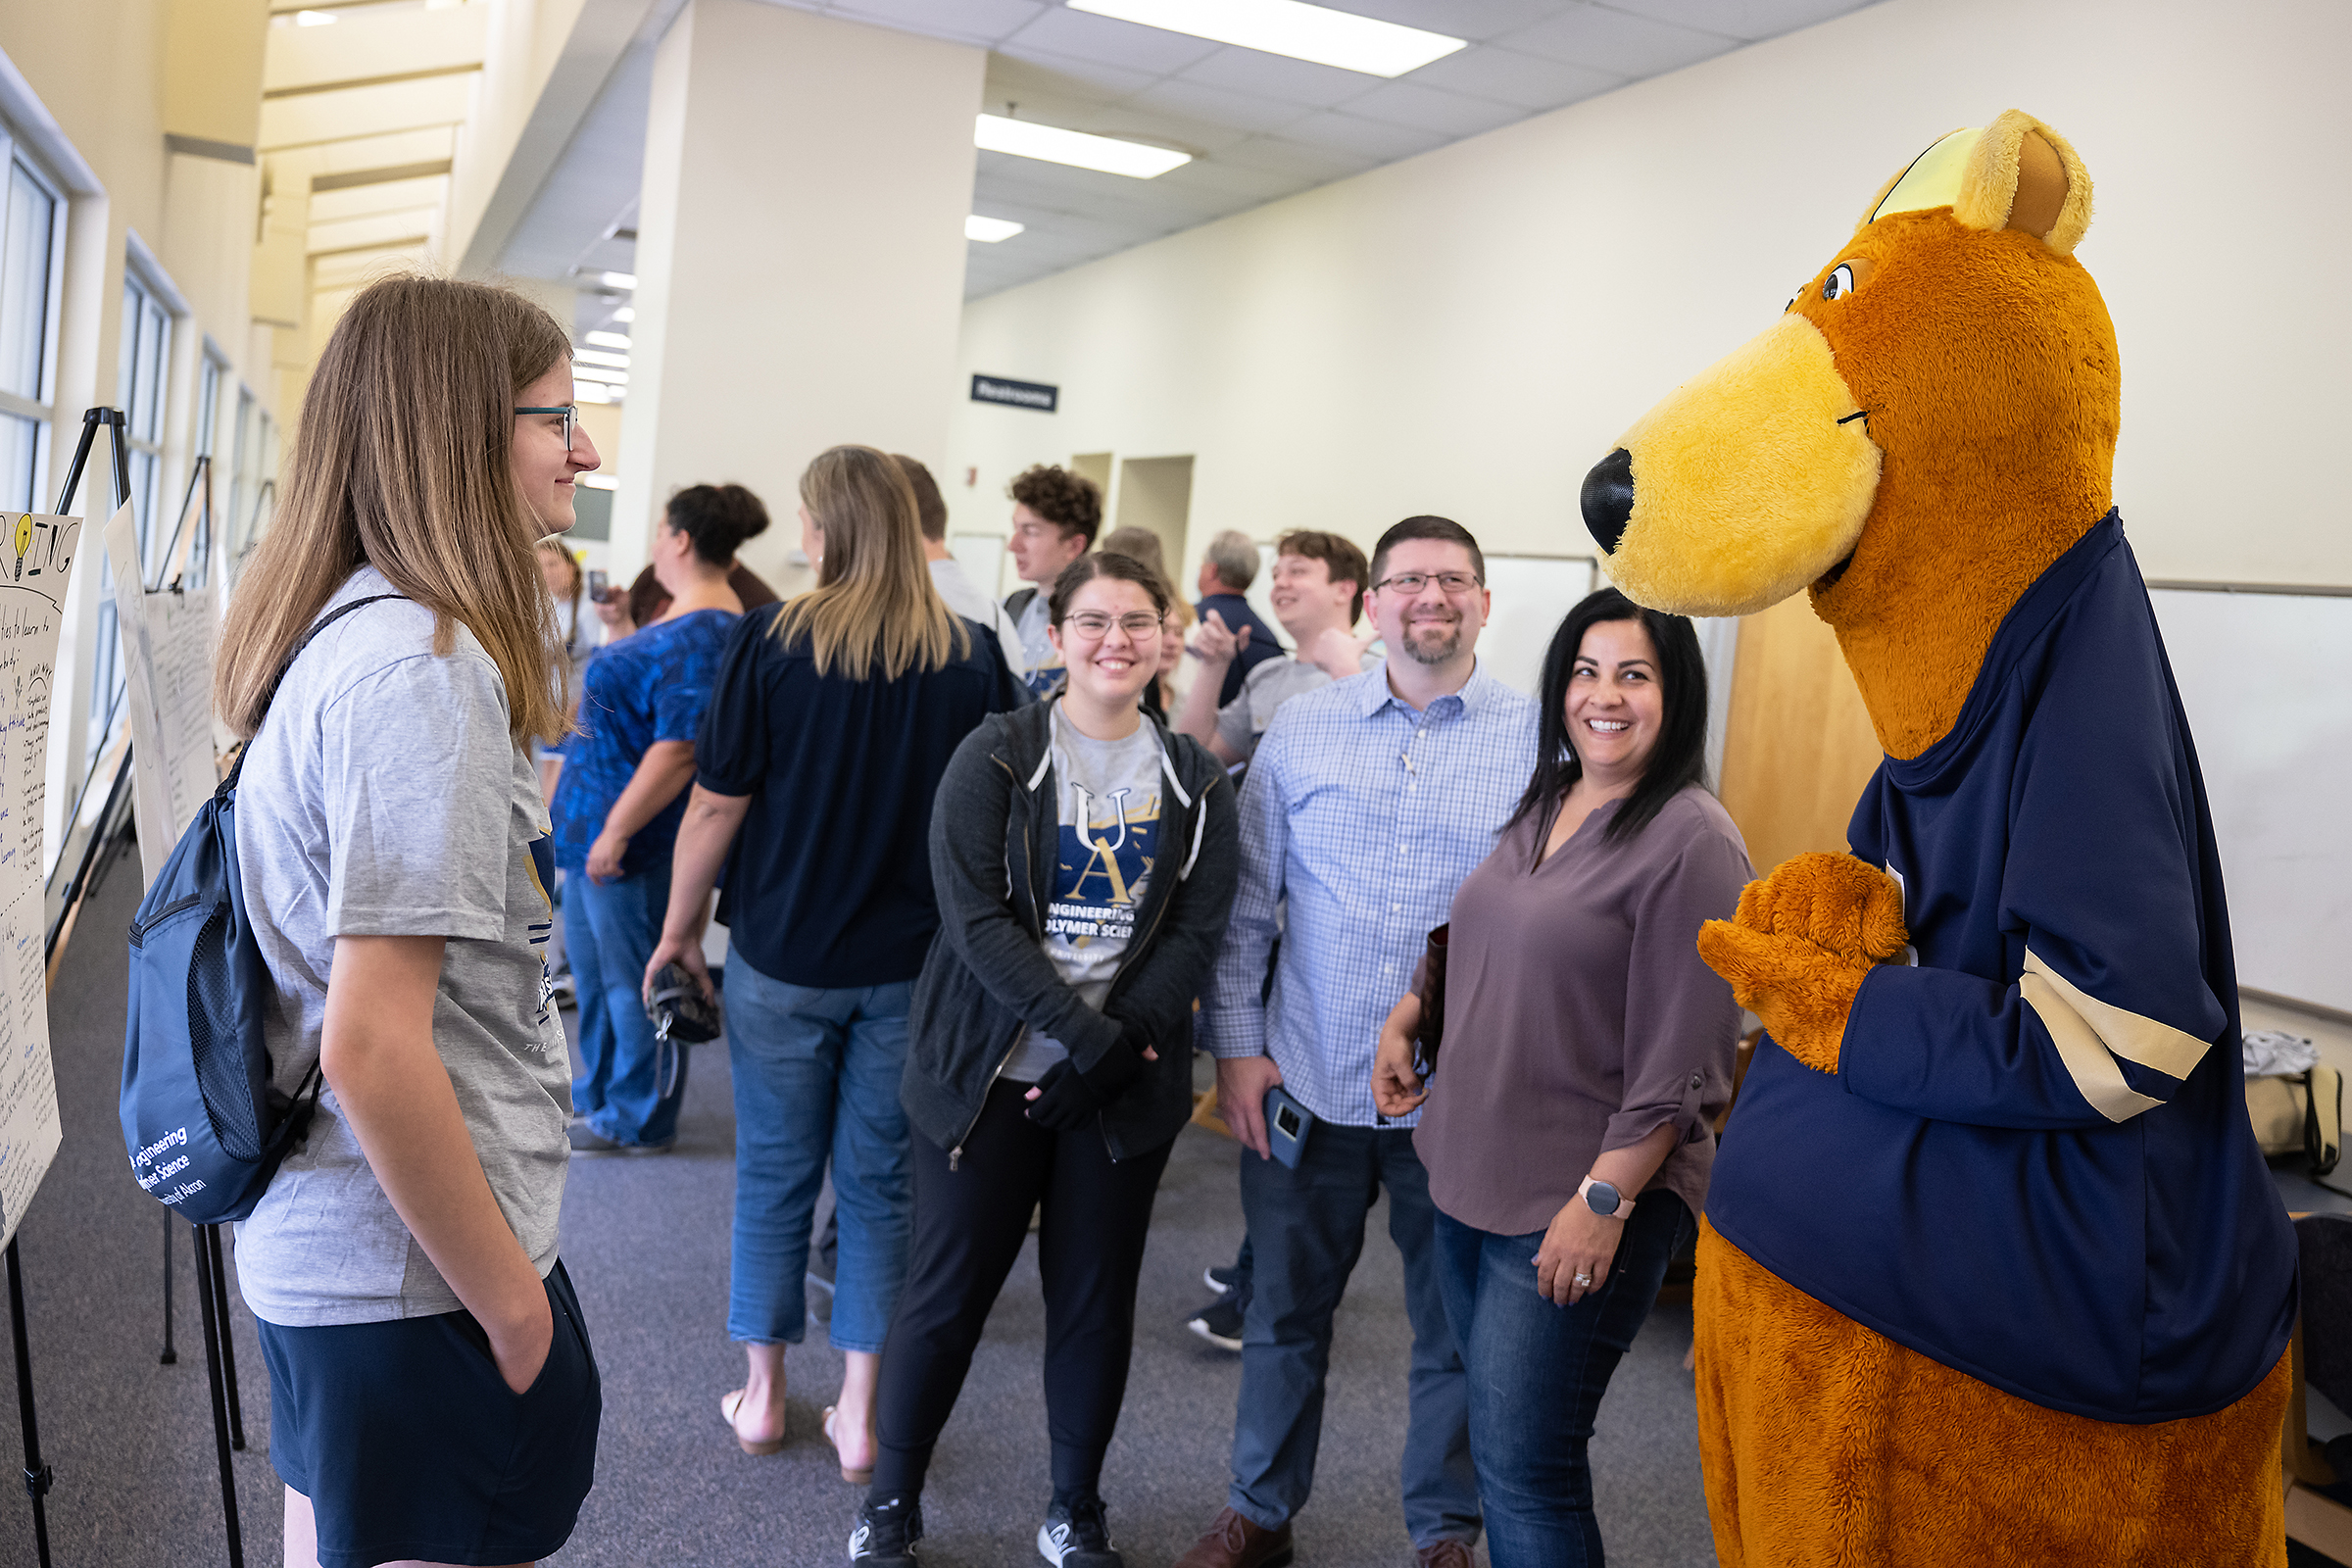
<point x="1056" y="515"/>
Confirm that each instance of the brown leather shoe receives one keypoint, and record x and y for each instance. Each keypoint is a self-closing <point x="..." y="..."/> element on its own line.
<point x="1233" y="1541"/>
<point x="1445" y="1554"/>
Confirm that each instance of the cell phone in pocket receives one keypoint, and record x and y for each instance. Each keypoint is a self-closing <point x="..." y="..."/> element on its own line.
<point x="1288" y="1123"/>
<point x="599" y="585"/>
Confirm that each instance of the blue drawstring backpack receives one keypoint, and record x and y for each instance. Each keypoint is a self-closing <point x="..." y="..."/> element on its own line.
<point x="205" y="1129"/>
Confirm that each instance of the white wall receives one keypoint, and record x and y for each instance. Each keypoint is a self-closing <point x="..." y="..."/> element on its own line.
<point x="1466" y="332"/>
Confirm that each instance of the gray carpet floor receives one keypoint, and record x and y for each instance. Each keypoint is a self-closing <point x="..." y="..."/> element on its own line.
<point x="646" y="1242"/>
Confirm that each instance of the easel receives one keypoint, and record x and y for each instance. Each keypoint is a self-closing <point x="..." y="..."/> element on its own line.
<point x="228" y="1426"/>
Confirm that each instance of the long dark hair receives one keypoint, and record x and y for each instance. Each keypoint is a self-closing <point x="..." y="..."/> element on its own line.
<point x="1681" y="756"/>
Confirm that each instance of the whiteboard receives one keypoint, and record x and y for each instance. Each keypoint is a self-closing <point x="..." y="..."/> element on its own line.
<point x="1532" y="594"/>
<point x="2263" y="678"/>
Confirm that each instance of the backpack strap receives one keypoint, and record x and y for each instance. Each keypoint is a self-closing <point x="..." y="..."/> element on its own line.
<point x="229" y="784"/>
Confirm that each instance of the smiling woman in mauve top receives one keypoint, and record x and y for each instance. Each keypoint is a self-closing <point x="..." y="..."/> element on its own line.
<point x="1569" y="1129"/>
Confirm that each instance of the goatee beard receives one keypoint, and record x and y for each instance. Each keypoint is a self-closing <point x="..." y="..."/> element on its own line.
<point x="1436" y="650"/>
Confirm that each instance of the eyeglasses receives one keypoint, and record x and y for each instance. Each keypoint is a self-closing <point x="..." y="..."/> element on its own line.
<point x="1094" y="625"/>
<point x="572" y="420"/>
<point x="1409" y="583"/>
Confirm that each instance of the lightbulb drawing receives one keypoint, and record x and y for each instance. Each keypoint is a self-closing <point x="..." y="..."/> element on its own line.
<point x="23" y="542"/>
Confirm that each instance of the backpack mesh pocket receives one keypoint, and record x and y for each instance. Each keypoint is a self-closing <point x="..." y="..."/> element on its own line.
<point x="220" y="1059"/>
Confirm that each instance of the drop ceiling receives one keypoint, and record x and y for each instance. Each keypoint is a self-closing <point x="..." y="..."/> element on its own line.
<point x="1259" y="127"/>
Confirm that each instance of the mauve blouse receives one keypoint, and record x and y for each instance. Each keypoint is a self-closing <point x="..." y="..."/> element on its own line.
<point x="1578" y="1017"/>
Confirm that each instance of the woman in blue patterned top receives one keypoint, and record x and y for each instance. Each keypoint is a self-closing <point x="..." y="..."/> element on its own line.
<point x="618" y="805"/>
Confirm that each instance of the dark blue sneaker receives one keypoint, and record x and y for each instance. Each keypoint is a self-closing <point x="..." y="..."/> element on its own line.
<point x="1076" y="1534"/>
<point x="887" y="1532"/>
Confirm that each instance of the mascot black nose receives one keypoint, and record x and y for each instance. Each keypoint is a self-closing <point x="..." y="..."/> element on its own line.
<point x="1608" y="498"/>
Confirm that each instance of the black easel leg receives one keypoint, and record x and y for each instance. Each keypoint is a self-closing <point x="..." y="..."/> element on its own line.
<point x="36" y="1474"/>
<point x="171" y="1357"/>
<point x="212" y="1366"/>
<point x="228" y="1341"/>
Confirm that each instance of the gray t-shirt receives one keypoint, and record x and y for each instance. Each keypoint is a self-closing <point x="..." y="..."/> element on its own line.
<point x="383" y="796"/>
<point x="1269" y="685"/>
<point x="1108" y="797"/>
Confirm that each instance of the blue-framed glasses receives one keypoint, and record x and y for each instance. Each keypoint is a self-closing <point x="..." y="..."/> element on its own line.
<point x="572" y="420"/>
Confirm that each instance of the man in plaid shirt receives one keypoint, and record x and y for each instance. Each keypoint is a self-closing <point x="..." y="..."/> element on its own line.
<point x="1367" y="804"/>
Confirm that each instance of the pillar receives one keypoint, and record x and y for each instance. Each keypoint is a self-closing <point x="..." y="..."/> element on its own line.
<point x="800" y="258"/>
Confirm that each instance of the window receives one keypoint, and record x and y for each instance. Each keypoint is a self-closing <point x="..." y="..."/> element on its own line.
<point x="146" y="352"/>
<point x="209" y="378"/>
<point x="31" y="242"/>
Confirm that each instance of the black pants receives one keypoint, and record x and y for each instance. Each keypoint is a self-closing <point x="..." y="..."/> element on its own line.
<point x="969" y="1223"/>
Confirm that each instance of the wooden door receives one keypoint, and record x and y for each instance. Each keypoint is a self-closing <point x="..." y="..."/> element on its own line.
<point x="1798" y="745"/>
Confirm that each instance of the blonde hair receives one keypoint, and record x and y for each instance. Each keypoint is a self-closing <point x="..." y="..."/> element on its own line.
<point x="561" y="551"/>
<point x="403" y="463"/>
<point x="873" y="610"/>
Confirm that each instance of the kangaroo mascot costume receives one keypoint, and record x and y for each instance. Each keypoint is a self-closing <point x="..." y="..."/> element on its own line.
<point x="1993" y="1270"/>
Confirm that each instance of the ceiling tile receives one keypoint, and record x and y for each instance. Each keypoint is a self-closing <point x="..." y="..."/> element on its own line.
<point x="1234" y="179"/>
<point x="1742" y="18"/>
<point x="1196" y="100"/>
<point x="1064" y="31"/>
<point x="1529" y="81"/>
<point x="966" y="20"/>
<point x="1602" y="39"/>
<point x="1371" y="138"/>
<point x="1298" y="82"/>
<point x="1313" y="165"/>
<point x="1406" y="103"/>
<point x="1136" y="121"/>
<point x="1458" y="18"/>
<point x="1059" y="77"/>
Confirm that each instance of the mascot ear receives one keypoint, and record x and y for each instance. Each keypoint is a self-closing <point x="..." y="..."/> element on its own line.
<point x="2023" y="174"/>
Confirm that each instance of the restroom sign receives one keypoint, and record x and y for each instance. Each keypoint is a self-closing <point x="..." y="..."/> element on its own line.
<point x="1016" y="394"/>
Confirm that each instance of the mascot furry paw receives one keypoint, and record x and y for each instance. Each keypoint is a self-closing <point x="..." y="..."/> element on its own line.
<point x="1993" y="1270"/>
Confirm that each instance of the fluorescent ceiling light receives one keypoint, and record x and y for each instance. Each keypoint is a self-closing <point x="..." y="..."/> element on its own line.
<point x="592" y="392"/>
<point x="987" y="230"/>
<point x="598" y="481"/>
<point x="618" y="280"/>
<point x="1049" y="143"/>
<point x="627" y="312"/>
<point x="315" y="18"/>
<point x="618" y="362"/>
<point x="1290" y="28"/>
<point x="608" y="340"/>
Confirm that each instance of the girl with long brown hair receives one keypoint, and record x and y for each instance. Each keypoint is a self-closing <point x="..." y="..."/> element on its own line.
<point x="830" y="722"/>
<point x="391" y="655"/>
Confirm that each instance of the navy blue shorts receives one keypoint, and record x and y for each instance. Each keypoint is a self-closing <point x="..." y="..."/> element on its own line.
<point x="408" y="1443"/>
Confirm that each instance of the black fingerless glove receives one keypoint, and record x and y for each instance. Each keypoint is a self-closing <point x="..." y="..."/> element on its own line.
<point x="1068" y="1098"/>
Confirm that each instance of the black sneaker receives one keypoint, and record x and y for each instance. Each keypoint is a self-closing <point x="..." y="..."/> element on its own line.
<point x="1220" y="1324"/>
<point x="886" y="1532"/>
<point x="1076" y="1535"/>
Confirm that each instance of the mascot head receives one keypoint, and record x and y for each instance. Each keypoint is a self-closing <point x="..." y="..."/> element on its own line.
<point x="1929" y="424"/>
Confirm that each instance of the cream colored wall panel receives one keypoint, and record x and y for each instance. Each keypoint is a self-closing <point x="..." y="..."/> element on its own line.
<point x="382" y="196"/>
<point x="206" y="243"/>
<point x="1468" y="331"/>
<point x="373" y="233"/>
<point x="354" y="112"/>
<point x="212" y="68"/>
<point x="361" y="47"/>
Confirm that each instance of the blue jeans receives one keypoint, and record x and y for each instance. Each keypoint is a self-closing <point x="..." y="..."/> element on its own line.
<point x="816" y="1074"/>
<point x="625" y="1084"/>
<point x="1306" y="1230"/>
<point x="1537" y="1371"/>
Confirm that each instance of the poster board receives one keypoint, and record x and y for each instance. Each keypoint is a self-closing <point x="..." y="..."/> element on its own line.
<point x="2260" y="676"/>
<point x="168" y="644"/>
<point x="36" y="560"/>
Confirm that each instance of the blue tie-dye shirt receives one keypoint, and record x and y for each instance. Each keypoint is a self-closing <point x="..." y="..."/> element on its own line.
<point x="652" y="686"/>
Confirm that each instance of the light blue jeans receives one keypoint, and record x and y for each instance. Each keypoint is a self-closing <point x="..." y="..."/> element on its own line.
<point x="626" y="1085"/>
<point x="816" y="1074"/>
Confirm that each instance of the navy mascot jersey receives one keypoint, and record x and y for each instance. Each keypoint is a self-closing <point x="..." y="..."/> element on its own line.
<point x="2035" y="1163"/>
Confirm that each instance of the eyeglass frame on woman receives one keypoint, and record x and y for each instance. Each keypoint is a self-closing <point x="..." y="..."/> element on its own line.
<point x="1137" y="625"/>
<point x="572" y="420"/>
<point x="1422" y="579"/>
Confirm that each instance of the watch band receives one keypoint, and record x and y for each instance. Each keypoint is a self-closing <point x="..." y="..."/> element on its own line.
<point x="1625" y="1204"/>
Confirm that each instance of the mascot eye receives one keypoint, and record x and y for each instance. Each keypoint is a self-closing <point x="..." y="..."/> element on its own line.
<point x="1839" y="284"/>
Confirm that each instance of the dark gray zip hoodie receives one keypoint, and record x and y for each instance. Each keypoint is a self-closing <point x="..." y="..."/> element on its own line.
<point x="994" y="837"/>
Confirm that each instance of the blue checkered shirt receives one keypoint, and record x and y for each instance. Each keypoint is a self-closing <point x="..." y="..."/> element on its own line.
<point x="1365" y="816"/>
